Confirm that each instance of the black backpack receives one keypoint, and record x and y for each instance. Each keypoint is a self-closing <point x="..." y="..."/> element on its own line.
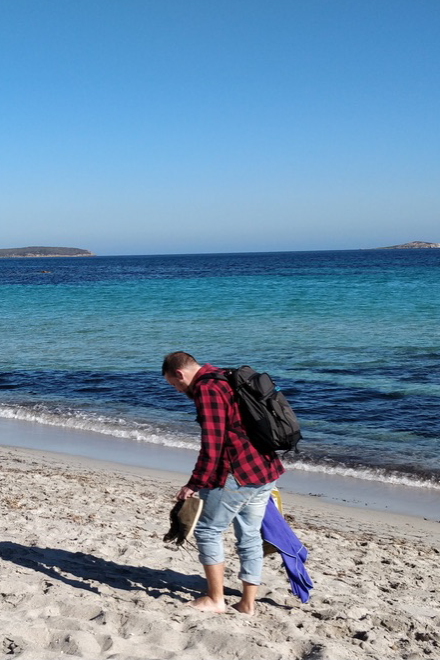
<point x="267" y="417"/>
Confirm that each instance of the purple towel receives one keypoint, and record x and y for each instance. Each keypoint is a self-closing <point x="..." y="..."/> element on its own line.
<point x="276" y="531"/>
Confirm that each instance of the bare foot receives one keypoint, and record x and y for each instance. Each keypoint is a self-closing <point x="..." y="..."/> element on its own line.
<point x="206" y="604"/>
<point x="244" y="608"/>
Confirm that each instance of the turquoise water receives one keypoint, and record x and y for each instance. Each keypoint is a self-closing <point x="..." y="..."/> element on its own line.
<point x="351" y="336"/>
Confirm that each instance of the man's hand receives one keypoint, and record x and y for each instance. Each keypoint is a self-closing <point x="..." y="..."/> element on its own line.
<point x="184" y="493"/>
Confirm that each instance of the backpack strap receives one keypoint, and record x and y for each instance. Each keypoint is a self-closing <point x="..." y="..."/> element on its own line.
<point x="214" y="375"/>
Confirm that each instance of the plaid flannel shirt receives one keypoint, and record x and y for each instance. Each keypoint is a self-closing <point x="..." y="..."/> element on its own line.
<point x="225" y="446"/>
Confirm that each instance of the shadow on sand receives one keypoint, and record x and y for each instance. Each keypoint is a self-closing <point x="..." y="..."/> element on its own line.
<point x="65" y="566"/>
<point x="62" y="565"/>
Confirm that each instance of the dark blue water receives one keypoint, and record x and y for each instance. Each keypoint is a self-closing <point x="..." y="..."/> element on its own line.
<point x="351" y="336"/>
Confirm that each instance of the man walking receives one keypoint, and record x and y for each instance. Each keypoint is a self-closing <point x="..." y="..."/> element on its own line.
<point x="232" y="478"/>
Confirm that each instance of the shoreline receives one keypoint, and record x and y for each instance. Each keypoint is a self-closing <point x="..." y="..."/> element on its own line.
<point x="85" y="573"/>
<point x="347" y="491"/>
<point x="314" y="508"/>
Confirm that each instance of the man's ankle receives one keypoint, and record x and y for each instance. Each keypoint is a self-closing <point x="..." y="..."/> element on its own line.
<point x="245" y="607"/>
<point x="207" y="604"/>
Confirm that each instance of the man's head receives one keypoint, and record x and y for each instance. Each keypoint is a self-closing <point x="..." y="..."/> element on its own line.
<point x="179" y="369"/>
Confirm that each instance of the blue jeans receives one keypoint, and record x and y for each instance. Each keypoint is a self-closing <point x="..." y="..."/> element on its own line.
<point x="244" y="506"/>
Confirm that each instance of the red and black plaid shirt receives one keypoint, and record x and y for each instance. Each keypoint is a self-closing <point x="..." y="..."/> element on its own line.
<point x="225" y="446"/>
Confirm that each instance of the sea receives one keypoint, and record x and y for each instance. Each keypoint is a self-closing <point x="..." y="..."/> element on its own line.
<point x="351" y="337"/>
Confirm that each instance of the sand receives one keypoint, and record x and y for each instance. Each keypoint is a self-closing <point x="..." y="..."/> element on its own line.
<point x="85" y="574"/>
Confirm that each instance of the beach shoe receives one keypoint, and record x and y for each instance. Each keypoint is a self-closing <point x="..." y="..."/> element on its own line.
<point x="183" y="518"/>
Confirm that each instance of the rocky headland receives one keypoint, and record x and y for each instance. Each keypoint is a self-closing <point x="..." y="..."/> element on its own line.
<point x="410" y="246"/>
<point x="44" y="252"/>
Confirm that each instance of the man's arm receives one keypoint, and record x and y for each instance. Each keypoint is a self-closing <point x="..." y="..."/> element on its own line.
<point x="212" y="411"/>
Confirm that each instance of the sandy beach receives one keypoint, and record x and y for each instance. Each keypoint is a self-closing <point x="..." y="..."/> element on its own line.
<point x="85" y="574"/>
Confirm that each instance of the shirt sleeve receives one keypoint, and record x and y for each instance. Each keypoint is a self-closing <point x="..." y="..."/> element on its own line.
<point x="211" y="414"/>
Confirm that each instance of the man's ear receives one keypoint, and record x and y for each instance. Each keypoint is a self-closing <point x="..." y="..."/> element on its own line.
<point x="179" y="374"/>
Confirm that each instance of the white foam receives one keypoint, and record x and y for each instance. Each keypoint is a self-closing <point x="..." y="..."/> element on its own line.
<point x="100" y="424"/>
<point x="368" y="474"/>
<point x="148" y="433"/>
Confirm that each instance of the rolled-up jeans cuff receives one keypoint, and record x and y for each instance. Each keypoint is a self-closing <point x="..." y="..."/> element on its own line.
<point x="252" y="579"/>
<point x="210" y="546"/>
<point x="211" y="561"/>
<point x="217" y="556"/>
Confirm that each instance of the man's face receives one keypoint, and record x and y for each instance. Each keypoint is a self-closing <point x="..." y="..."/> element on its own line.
<point x="179" y="382"/>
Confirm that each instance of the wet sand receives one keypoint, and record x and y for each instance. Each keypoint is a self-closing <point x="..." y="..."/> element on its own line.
<point x="332" y="488"/>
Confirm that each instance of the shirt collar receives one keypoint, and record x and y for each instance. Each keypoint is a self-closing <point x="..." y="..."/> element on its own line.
<point x="206" y="369"/>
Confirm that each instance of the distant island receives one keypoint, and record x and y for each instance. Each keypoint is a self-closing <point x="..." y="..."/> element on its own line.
<point x="29" y="252"/>
<point x="411" y="246"/>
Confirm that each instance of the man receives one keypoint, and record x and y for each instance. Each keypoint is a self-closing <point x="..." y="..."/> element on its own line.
<point x="232" y="478"/>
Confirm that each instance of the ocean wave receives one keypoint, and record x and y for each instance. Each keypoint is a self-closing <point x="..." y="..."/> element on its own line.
<point x="390" y="476"/>
<point x="88" y="421"/>
<point x="162" y="434"/>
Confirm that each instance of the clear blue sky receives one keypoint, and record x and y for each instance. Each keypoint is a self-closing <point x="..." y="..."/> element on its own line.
<point x="161" y="126"/>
